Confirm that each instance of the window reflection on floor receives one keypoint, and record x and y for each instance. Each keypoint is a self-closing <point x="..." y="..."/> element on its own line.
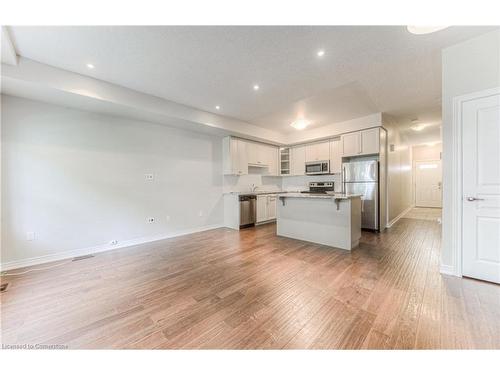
<point x="423" y="213"/>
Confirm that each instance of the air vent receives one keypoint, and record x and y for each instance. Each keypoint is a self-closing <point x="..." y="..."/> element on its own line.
<point x="75" y="259"/>
<point x="3" y="287"/>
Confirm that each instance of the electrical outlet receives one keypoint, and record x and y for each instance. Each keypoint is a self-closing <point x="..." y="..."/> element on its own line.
<point x="113" y="242"/>
<point x="30" y="236"/>
<point x="151" y="220"/>
<point x="149" y="176"/>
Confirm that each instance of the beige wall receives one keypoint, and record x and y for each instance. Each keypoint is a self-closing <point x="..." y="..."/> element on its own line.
<point x="425" y="152"/>
<point x="399" y="171"/>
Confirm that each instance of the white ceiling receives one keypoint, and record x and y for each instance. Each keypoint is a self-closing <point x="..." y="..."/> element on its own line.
<point x="365" y="69"/>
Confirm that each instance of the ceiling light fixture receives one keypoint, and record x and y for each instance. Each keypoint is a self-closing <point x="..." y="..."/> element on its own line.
<point x="320" y="53"/>
<point x="256" y="87"/>
<point x="421" y="30"/>
<point x="217" y="107"/>
<point x="90" y="66"/>
<point x="416" y="125"/>
<point x="300" y="124"/>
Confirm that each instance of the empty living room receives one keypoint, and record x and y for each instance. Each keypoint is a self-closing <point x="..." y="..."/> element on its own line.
<point x="243" y="187"/>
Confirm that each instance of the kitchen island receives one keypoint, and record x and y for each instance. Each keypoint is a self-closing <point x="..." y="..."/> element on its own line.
<point x="333" y="220"/>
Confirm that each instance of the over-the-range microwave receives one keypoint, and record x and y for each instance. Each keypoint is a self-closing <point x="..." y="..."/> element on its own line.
<point x="318" y="167"/>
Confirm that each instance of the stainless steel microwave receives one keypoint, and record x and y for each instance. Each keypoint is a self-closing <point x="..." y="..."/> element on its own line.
<point x="318" y="167"/>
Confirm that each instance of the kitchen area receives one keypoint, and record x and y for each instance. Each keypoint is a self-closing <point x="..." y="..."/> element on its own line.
<point x="324" y="191"/>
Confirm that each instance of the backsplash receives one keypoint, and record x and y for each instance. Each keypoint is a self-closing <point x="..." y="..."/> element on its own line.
<point x="244" y="183"/>
<point x="273" y="183"/>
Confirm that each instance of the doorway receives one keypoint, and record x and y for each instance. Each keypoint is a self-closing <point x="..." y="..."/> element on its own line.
<point x="428" y="175"/>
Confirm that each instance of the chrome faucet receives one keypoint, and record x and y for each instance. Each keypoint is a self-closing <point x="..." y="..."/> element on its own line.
<point x="253" y="188"/>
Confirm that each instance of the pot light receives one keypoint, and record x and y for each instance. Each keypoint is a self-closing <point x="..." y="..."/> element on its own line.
<point x="90" y="66"/>
<point x="300" y="124"/>
<point x="256" y="87"/>
<point x="420" y="30"/>
<point x="320" y="53"/>
<point x="217" y="107"/>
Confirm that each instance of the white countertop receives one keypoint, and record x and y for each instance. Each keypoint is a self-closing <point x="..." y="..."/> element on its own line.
<point x="319" y="196"/>
<point x="259" y="192"/>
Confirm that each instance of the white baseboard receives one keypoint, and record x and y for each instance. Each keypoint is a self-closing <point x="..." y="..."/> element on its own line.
<point x="447" y="270"/>
<point x="394" y="221"/>
<point x="99" y="248"/>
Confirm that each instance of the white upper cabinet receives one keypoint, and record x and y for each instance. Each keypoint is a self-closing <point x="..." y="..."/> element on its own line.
<point x="351" y="144"/>
<point x="271" y="159"/>
<point x="234" y="156"/>
<point x="364" y="142"/>
<point x="256" y="154"/>
<point x="318" y="151"/>
<point x="335" y="156"/>
<point x="370" y="141"/>
<point x="298" y="166"/>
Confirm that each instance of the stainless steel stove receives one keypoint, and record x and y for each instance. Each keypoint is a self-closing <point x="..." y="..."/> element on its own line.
<point x="320" y="187"/>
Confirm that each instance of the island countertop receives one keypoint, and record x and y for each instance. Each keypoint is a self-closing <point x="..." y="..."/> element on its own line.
<point x="318" y="196"/>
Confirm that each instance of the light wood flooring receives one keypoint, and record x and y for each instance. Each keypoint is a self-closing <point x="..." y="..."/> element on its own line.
<point x="252" y="289"/>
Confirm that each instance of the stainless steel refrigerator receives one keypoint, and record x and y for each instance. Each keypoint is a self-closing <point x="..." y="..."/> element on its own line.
<point x="361" y="177"/>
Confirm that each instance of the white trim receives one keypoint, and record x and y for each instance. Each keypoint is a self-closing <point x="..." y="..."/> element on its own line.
<point x="447" y="270"/>
<point x="393" y="221"/>
<point x="455" y="214"/>
<point x="99" y="248"/>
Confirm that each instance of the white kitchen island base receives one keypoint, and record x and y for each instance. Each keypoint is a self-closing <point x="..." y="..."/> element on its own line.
<point x="332" y="221"/>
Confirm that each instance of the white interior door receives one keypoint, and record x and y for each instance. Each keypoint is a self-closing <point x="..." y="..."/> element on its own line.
<point x="481" y="188"/>
<point x="428" y="183"/>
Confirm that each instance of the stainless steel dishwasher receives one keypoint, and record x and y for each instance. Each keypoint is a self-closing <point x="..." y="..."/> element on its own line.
<point x="247" y="210"/>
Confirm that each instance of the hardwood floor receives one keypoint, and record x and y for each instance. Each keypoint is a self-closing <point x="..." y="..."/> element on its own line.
<point x="252" y="289"/>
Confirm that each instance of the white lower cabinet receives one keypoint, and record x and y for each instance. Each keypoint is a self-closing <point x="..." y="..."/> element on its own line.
<point x="266" y="207"/>
<point x="271" y="207"/>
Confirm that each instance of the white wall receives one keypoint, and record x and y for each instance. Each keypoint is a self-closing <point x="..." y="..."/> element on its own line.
<point x="471" y="66"/>
<point x="399" y="171"/>
<point x="77" y="180"/>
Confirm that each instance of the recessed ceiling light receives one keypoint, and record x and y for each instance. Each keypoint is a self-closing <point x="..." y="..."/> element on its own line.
<point x="320" y="53"/>
<point x="217" y="107"/>
<point x="90" y="66"/>
<point x="420" y="30"/>
<point x="300" y="124"/>
<point x="256" y="87"/>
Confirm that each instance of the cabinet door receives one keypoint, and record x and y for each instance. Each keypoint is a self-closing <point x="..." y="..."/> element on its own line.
<point x="271" y="207"/>
<point x="370" y="141"/>
<point x="323" y="151"/>
<point x="261" y="208"/>
<point x="298" y="167"/>
<point x="240" y="160"/>
<point x="252" y="151"/>
<point x="271" y="160"/>
<point x="335" y="156"/>
<point x="351" y="144"/>
<point x="318" y="151"/>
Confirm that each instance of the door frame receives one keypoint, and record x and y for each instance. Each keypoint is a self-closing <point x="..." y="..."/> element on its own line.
<point x="415" y="179"/>
<point x="456" y="213"/>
